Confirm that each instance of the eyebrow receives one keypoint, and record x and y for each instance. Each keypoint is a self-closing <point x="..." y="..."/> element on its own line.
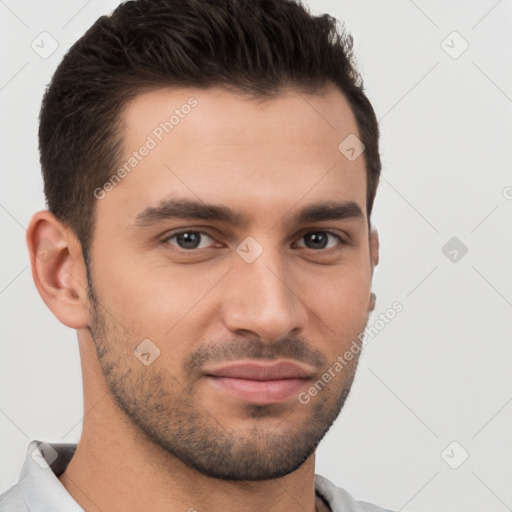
<point x="182" y="208"/>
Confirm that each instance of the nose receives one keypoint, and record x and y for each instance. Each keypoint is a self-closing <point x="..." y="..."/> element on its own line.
<point x="260" y="300"/>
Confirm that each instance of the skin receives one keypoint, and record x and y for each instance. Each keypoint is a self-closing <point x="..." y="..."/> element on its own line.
<point x="298" y="302"/>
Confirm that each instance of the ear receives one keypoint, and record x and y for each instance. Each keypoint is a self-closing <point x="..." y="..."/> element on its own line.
<point x="58" y="269"/>
<point x="374" y="257"/>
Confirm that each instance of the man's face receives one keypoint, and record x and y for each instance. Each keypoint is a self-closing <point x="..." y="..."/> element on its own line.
<point x="210" y="293"/>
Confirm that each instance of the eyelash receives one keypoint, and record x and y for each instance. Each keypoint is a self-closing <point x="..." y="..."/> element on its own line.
<point x="191" y="251"/>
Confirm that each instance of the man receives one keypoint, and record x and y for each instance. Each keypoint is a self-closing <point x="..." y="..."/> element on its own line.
<point x="210" y="170"/>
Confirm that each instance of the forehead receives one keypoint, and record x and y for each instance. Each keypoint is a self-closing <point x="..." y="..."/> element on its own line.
<point x="223" y="147"/>
<point x="217" y="116"/>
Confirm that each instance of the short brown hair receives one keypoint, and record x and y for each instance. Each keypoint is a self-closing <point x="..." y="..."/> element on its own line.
<point x="255" y="46"/>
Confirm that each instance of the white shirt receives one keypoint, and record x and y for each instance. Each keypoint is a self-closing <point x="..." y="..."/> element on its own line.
<point x="39" y="490"/>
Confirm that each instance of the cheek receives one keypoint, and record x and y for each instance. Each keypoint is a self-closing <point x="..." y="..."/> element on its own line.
<point x="341" y="301"/>
<point x="150" y="297"/>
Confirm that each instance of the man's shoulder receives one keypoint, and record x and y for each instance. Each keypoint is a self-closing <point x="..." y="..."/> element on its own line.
<point x="37" y="487"/>
<point x="12" y="500"/>
<point x="340" y="500"/>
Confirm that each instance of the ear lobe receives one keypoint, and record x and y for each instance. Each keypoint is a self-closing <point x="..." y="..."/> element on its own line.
<point x="374" y="257"/>
<point x="371" y="304"/>
<point x="374" y="247"/>
<point x="58" y="269"/>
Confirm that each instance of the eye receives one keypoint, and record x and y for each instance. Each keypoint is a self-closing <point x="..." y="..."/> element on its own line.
<point x="318" y="240"/>
<point x="188" y="240"/>
<point x="191" y="240"/>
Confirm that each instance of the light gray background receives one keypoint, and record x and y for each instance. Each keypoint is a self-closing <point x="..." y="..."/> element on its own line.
<point x="441" y="370"/>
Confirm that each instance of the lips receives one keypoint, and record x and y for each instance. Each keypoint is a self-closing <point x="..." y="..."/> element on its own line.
<point x="259" y="383"/>
<point x="261" y="371"/>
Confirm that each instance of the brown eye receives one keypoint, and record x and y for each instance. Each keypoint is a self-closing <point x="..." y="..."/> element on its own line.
<point x="318" y="240"/>
<point x="188" y="240"/>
